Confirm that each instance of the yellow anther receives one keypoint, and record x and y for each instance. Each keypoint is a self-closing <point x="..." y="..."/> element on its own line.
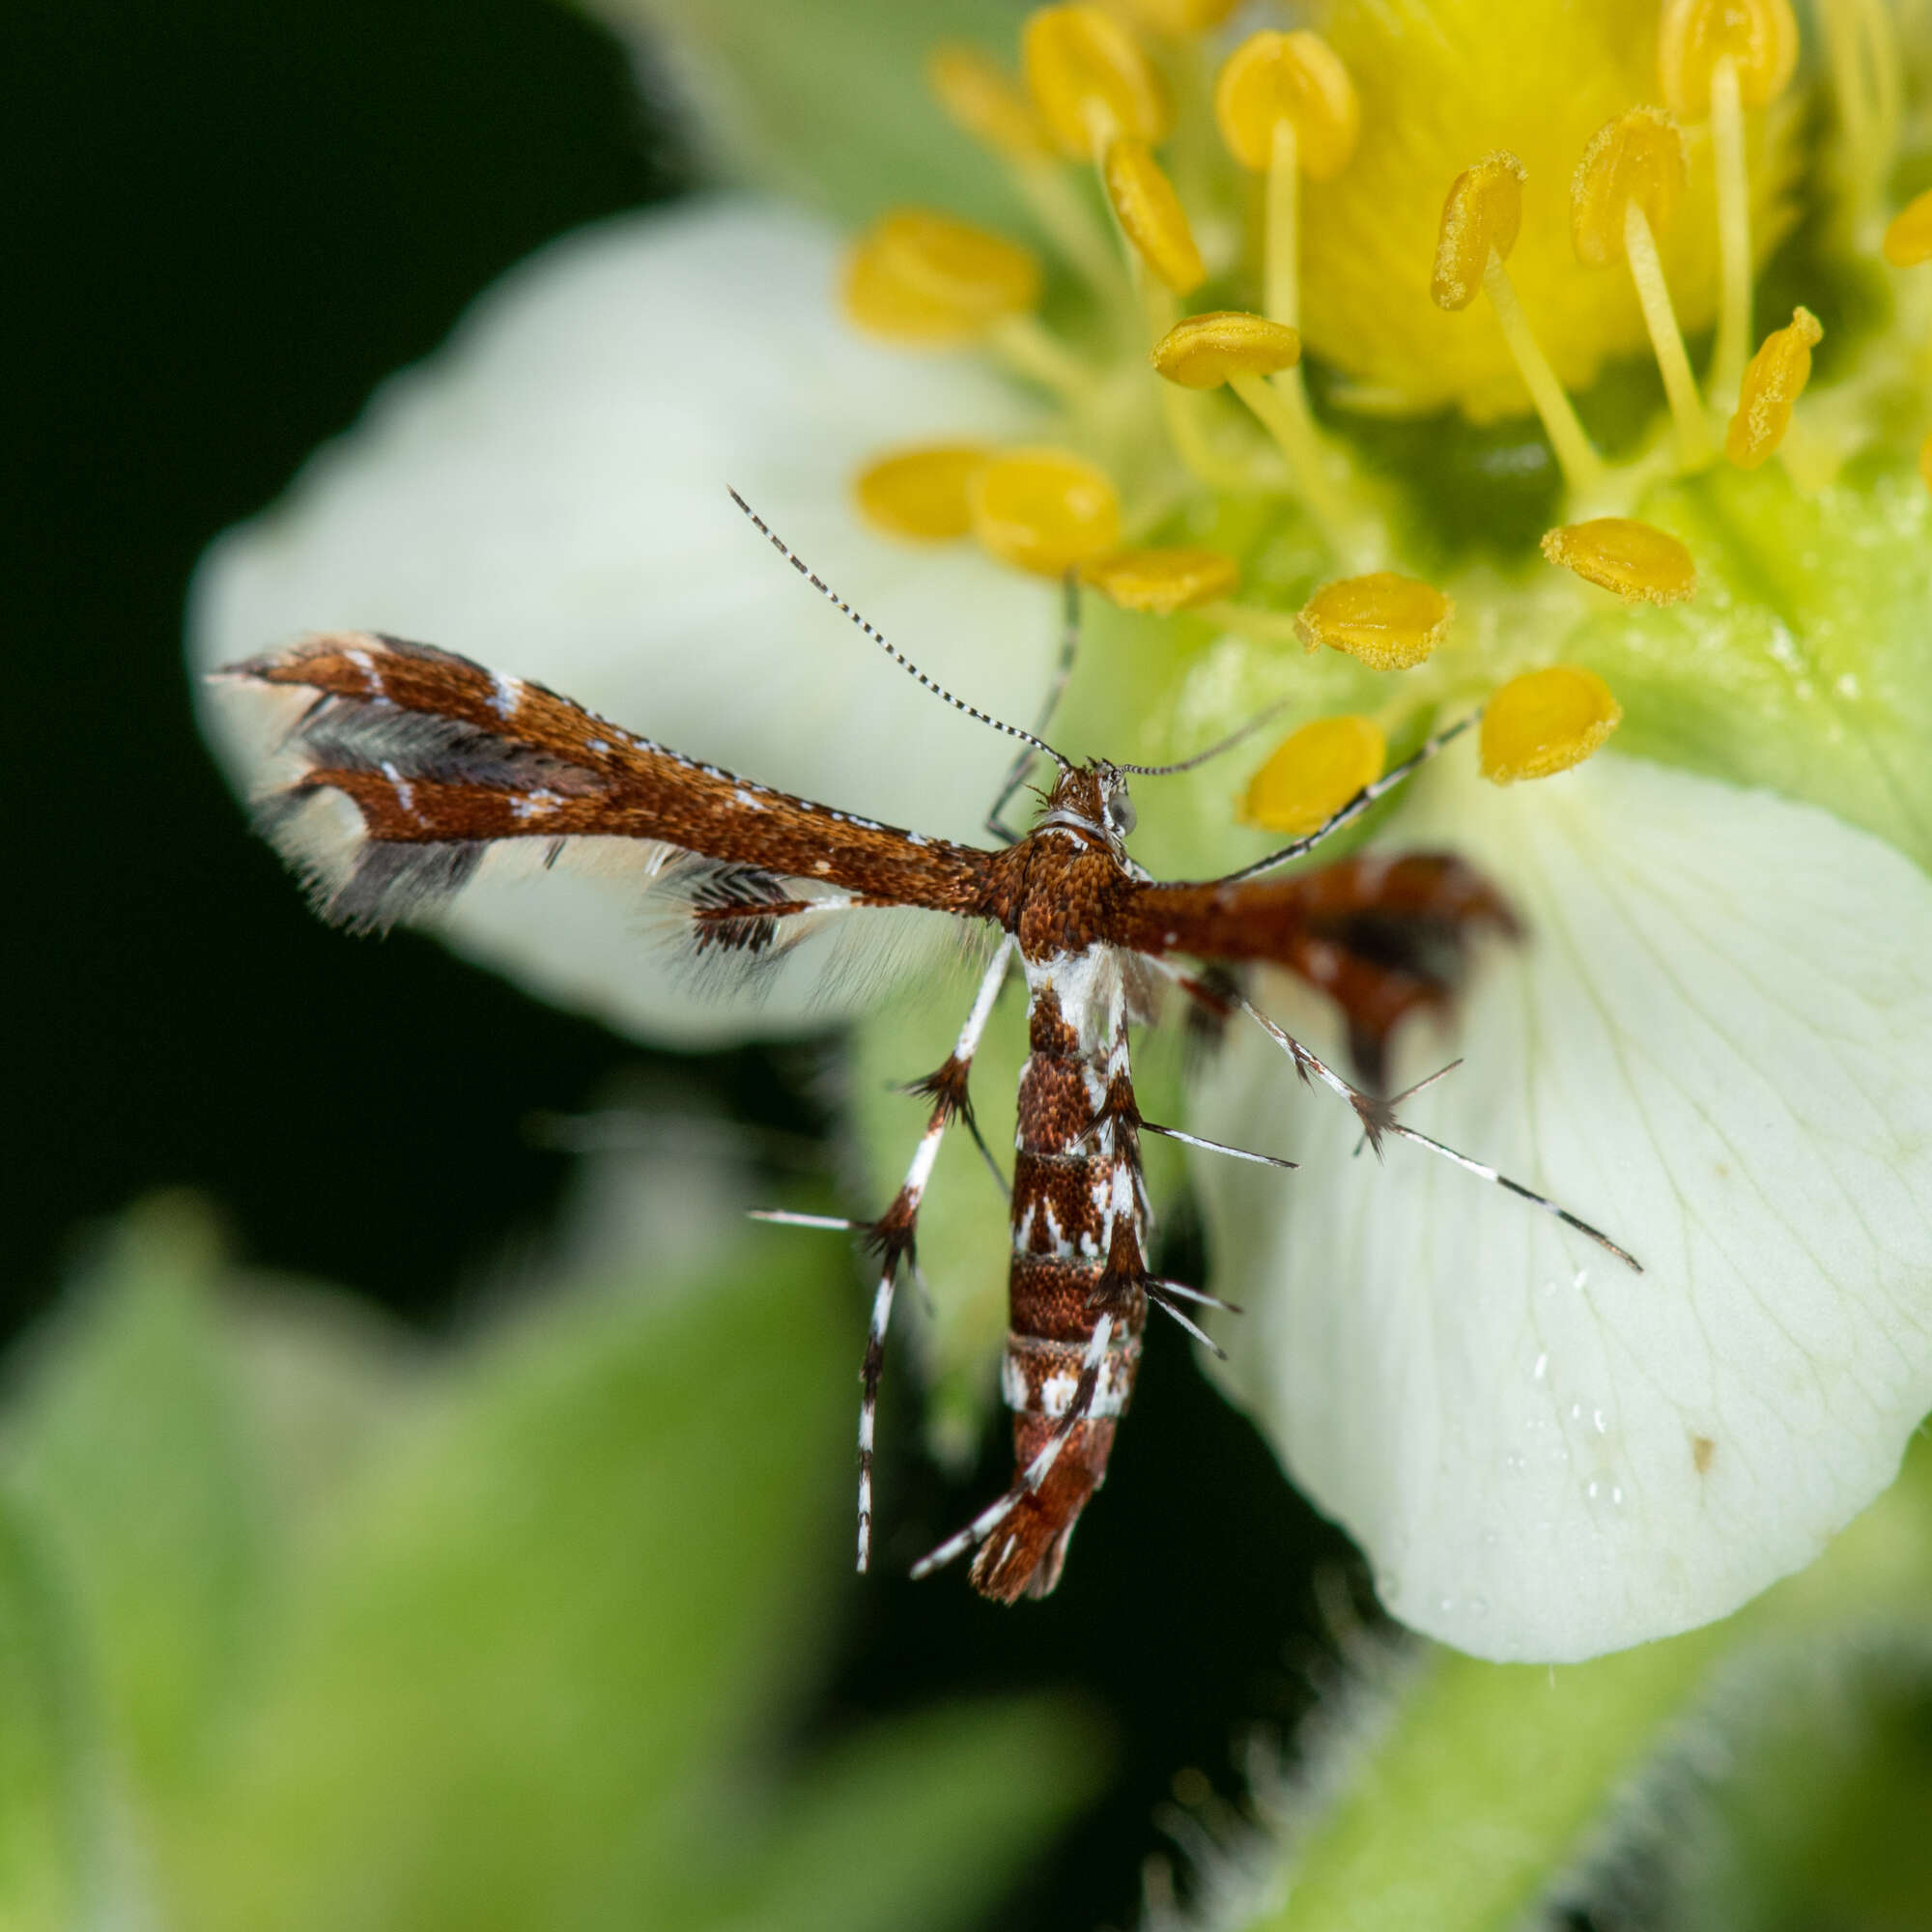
<point x="1201" y="352"/>
<point x="1639" y="561"/>
<point x="1163" y="581"/>
<point x="1293" y="78"/>
<point x="1043" y="510"/>
<point x="1313" y="774"/>
<point x="1545" y="721"/>
<point x="1775" y="379"/>
<point x="1151" y="216"/>
<point x="985" y="101"/>
<point x="1481" y="217"/>
<point x="1637" y="158"/>
<point x="1090" y="79"/>
<point x="1759" y="36"/>
<point x="1175" y="17"/>
<point x="922" y="277"/>
<point x="1908" y="241"/>
<point x="920" y="493"/>
<point x="1382" y="620"/>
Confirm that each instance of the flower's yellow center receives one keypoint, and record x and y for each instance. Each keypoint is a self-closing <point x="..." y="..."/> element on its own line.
<point x="1382" y="620"/>
<point x="1545" y="721"/>
<point x="1198" y="473"/>
<point x="1313" y="773"/>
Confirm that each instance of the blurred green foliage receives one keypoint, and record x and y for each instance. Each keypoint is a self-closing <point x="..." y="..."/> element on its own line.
<point x="300" y="1626"/>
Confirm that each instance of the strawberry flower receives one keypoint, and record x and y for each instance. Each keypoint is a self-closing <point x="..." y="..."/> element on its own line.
<point x="1449" y="358"/>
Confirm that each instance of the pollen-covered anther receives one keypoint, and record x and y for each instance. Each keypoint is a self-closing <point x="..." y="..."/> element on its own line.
<point x="1043" y="510"/>
<point x="1297" y="79"/>
<point x="1774" y="380"/>
<point x="1759" y="37"/>
<point x="1639" y="562"/>
<point x="1481" y="217"/>
<point x="1908" y="238"/>
<point x="1383" y="620"/>
<point x="1202" y="351"/>
<point x="920" y="493"/>
<point x="1151" y="215"/>
<point x="917" y="277"/>
<point x="985" y="102"/>
<point x="1545" y="721"/>
<point x="1313" y="773"/>
<point x="1639" y="158"/>
<point x="1091" y="80"/>
<point x="1162" y="581"/>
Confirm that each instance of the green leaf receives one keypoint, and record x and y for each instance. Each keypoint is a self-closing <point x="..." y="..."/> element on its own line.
<point x="825" y="101"/>
<point x="920" y="1824"/>
<point x="61" y="1863"/>
<point x="126" y="1442"/>
<point x="542" y="1621"/>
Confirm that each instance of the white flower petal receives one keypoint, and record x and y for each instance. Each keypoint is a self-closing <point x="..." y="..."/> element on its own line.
<point x="1717" y="1045"/>
<point x="547" y="494"/>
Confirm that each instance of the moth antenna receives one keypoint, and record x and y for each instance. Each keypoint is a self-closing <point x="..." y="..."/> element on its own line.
<point x="892" y="650"/>
<point x="1062" y="671"/>
<point x="1355" y="807"/>
<point x="1214" y="750"/>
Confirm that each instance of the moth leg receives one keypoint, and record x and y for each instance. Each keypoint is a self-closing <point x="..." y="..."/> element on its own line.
<point x="893" y="1234"/>
<point x="1062" y="669"/>
<point x="1079" y="1409"/>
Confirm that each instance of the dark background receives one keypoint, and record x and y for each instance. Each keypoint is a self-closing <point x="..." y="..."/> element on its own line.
<point x="229" y="222"/>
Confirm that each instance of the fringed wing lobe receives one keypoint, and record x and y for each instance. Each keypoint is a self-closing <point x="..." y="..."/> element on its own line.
<point x="1382" y="937"/>
<point x="439" y="762"/>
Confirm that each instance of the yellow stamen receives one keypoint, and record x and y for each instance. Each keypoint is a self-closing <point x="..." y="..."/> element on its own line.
<point x="1175" y="17"/>
<point x="1545" y="721"/>
<point x="1090" y="81"/>
<point x="1163" y="581"/>
<point x="985" y="101"/>
<point x="920" y="277"/>
<point x="1908" y="241"/>
<point x="920" y="493"/>
<point x="1202" y="351"/>
<point x="1626" y="190"/>
<point x="1862" y="50"/>
<point x="1925" y="461"/>
<point x="1029" y="350"/>
<point x="1313" y="773"/>
<point x="1043" y="510"/>
<point x="1286" y="106"/>
<point x="1760" y="36"/>
<point x="1481" y="219"/>
<point x="1382" y="620"/>
<point x="1295" y="77"/>
<point x="1230" y="346"/>
<point x="1150" y="215"/>
<point x="1639" y="561"/>
<point x="1718" y="57"/>
<point x="1772" y="381"/>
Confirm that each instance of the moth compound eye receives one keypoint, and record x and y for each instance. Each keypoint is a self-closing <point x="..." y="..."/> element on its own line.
<point x="1122" y="817"/>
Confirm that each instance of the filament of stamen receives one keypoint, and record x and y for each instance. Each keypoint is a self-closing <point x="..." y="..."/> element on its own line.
<point x="1734" y="256"/>
<point x="1666" y="340"/>
<point x="1029" y="348"/>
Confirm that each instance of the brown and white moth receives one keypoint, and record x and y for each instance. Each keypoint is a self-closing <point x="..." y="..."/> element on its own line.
<point x="413" y="765"/>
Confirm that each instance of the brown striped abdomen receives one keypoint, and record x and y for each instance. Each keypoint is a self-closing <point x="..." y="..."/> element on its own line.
<point x="1079" y="1232"/>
